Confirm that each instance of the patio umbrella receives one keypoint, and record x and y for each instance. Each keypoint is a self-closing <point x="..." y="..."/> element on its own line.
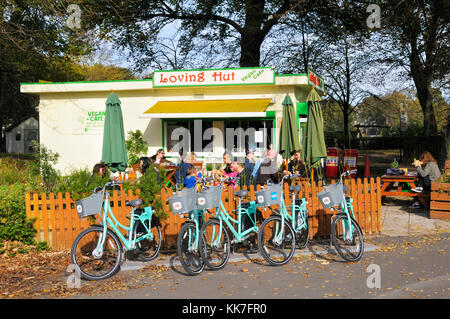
<point x="289" y="140"/>
<point x="114" y="152"/>
<point x="313" y="143"/>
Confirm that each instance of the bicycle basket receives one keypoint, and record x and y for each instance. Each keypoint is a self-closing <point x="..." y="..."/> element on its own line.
<point x="210" y="198"/>
<point x="332" y="195"/>
<point x="183" y="201"/>
<point x="269" y="196"/>
<point x="90" y="205"/>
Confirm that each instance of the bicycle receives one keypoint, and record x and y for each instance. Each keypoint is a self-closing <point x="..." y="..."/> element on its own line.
<point x="346" y="235"/>
<point x="298" y="216"/>
<point x="188" y="204"/>
<point x="98" y="250"/>
<point x="276" y="236"/>
<point x="216" y="247"/>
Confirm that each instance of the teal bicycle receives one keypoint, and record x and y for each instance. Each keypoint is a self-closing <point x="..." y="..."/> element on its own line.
<point x="98" y="251"/>
<point x="346" y="235"/>
<point x="192" y="205"/>
<point x="216" y="247"/>
<point x="274" y="237"/>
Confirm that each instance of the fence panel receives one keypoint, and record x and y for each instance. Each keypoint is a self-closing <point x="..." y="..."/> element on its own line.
<point x="58" y="224"/>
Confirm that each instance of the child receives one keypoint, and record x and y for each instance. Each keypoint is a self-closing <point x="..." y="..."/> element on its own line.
<point x="191" y="177"/>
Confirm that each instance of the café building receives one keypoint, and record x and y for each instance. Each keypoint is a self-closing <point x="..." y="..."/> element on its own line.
<point x="204" y="111"/>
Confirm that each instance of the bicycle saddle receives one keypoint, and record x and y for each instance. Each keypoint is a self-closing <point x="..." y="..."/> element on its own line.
<point x="241" y="193"/>
<point x="134" y="202"/>
<point x="295" y="188"/>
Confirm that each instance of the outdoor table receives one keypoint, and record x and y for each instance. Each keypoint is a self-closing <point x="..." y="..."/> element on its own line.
<point x="388" y="182"/>
<point x="170" y="171"/>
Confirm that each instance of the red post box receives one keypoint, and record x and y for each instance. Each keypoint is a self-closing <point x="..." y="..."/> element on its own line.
<point x="350" y="160"/>
<point x="332" y="164"/>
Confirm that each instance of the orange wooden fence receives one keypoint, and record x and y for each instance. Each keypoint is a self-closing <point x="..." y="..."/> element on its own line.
<point x="58" y="224"/>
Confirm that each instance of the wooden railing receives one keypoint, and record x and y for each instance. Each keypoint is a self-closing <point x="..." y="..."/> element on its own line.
<point x="58" y="224"/>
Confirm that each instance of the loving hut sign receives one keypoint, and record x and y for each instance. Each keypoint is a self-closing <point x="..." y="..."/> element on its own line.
<point x="241" y="76"/>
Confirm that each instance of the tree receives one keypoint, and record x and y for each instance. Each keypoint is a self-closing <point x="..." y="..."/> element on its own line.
<point x="34" y="45"/>
<point x="100" y="72"/>
<point x="415" y="37"/>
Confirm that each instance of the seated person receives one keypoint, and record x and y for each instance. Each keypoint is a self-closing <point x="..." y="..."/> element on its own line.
<point x="99" y="168"/>
<point x="296" y="165"/>
<point x="268" y="169"/>
<point x="159" y="157"/>
<point x="144" y="163"/>
<point x="245" y="177"/>
<point x="227" y="161"/>
<point x="427" y="172"/>
<point x="191" y="177"/>
<point x="249" y="162"/>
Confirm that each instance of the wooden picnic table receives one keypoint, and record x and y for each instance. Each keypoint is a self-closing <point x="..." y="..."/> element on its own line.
<point x="388" y="188"/>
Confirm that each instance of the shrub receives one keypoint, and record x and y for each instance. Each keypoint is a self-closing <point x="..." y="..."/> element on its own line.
<point x="150" y="187"/>
<point x="14" y="225"/>
<point x="79" y="183"/>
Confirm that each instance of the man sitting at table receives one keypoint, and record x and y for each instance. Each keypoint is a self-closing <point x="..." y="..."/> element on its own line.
<point x="159" y="157"/>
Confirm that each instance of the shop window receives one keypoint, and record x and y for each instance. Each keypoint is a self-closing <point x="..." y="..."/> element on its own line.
<point x="188" y="135"/>
<point x="243" y="134"/>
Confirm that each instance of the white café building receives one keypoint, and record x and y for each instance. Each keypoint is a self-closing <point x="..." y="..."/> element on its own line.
<point x="206" y="103"/>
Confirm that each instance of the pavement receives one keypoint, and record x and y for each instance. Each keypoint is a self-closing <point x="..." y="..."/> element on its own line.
<point x="400" y="220"/>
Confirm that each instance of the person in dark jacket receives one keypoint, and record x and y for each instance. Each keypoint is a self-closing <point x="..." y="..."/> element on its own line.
<point x="268" y="169"/>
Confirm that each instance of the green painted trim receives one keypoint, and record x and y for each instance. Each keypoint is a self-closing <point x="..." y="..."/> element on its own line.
<point x="302" y="108"/>
<point x="270" y="114"/>
<point x="295" y="74"/>
<point x="212" y="85"/>
<point x="87" y="82"/>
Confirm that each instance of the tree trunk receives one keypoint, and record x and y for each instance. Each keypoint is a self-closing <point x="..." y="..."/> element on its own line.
<point x="346" y="128"/>
<point x="250" y="50"/>
<point x="252" y="35"/>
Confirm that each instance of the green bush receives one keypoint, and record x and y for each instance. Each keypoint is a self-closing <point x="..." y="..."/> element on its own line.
<point x="79" y="183"/>
<point x="150" y="187"/>
<point x="14" y="225"/>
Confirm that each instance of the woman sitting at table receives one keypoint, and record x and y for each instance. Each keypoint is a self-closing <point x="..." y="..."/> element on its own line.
<point x="427" y="172"/>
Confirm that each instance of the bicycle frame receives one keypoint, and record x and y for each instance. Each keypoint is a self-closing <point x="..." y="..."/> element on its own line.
<point x="294" y="208"/>
<point x="239" y="235"/>
<point x="114" y="224"/>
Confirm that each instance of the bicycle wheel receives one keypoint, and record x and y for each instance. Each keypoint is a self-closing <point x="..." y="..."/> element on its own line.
<point x="302" y="235"/>
<point x="96" y="265"/>
<point x="188" y="247"/>
<point x="276" y="241"/>
<point x="349" y="244"/>
<point x="147" y="249"/>
<point x="215" y="245"/>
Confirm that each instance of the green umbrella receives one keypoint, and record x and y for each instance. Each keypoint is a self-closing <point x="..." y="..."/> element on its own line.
<point x="313" y="143"/>
<point x="114" y="152"/>
<point x="289" y="140"/>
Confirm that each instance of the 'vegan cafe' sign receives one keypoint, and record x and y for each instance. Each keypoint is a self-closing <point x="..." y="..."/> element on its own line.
<point x="241" y="76"/>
